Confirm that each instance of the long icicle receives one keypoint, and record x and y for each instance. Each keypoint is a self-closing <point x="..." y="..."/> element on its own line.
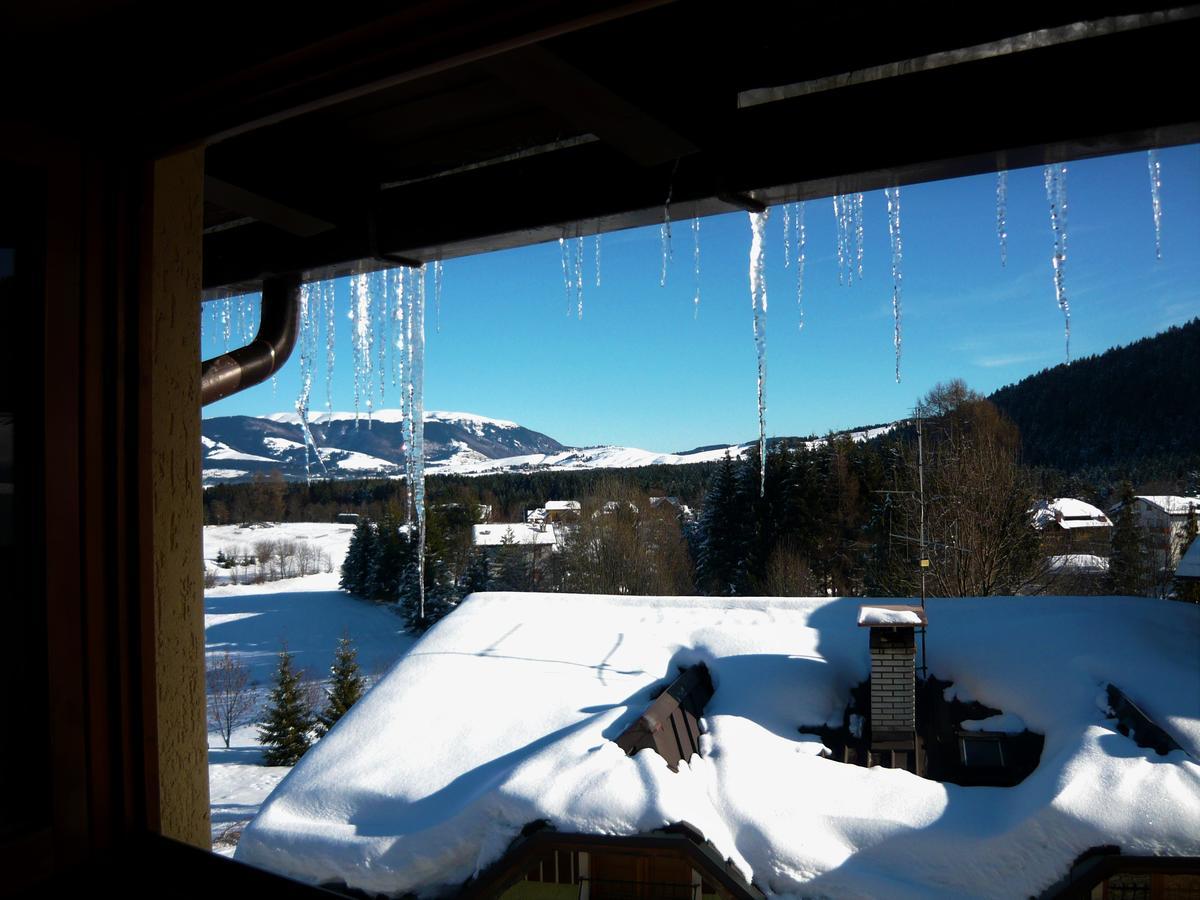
<point x="858" y="233"/>
<point x="664" y="230"/>
<point x="696" y="265"/>
<point x="1155" y="168"/>
<point x="758" y="302"/>
<point x="1002" y="214"/>
<point x="310" y="295"/>
<point x="1055" y="178"/>
<point x="840" y="221"/>
<point x="893" y="208"/>
<point x="438" y="275"/>
<point x="568" y="282"/>
<point x="382" y="324"/>
<point x="328" y="298"/>
<point x="416" y="381"/>
<point x="579" y="274"/>
<point x="801" y="239"/>
<point x="787" y="235"/>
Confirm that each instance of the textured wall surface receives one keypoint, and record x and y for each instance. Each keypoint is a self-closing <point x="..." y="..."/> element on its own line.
<point x="177" y="222"/>
<point x="893" y="705"/>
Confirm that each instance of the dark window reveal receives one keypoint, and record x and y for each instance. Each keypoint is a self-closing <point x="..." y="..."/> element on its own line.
<point x="981" y="752"/>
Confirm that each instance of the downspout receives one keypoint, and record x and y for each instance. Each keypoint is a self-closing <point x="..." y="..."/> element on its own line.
<point x="239" y="369"/>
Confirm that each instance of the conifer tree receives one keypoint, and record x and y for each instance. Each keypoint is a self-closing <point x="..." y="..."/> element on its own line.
<point x="284" y="732"/>
<point x="356" y="565"/>
<point x="718" y="556"/>
<point x="346" y="685"/>
<point x="1127" y="562"/>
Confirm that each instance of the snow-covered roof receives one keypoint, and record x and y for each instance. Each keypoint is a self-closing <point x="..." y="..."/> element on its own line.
<point x="1066" y="512"/>
<point x="562" y="506"/>
<point x="1077" y="564"/>
<point x="874" y="616"/>
<point x="503" y="714"/>
<point x="493" y="534"/>
<point x="1189" y="563"/>
<point x="1171" y="505"/>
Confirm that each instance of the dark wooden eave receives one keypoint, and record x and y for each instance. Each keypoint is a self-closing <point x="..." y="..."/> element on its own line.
<point x="368" y="135"/>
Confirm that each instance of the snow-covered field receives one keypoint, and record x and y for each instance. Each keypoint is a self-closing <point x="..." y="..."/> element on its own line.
<point x="506" y="712"/>
<point x="252" y="621"/>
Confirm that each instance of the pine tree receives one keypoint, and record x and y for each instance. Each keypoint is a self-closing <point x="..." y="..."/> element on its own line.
<point x="284" y="732"/>
<point x="346" y="686"/>
<point x="718" y="556"/>
<point x="1127" y="562"/>
<point x="356" y="565"/>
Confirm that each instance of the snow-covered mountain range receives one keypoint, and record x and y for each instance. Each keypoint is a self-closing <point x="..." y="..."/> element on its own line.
<point x="238" y="447"/>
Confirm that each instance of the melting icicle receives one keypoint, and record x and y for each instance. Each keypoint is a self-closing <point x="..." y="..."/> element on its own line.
<point x="801" y="236"/>
<point x="310" y="295"/>
<point x="787" y="235"/>
<point x="227" y="320"/>
<point x="1002" y="214"/>
<point x="858" y="233"/>
<point x="437" y="293"/>
<point x="327" y="300"/>
<point x="664" y="233"/>
<point x="1055" y="178"/>
<point x="840" y="221"/>
<point x="758" y="302"/>
<point x="382" y="322"/>
<point x="361" y="339"/>
<point x="696" y="265"/>
<point x="416" y="393"/>
<point x="579" y="274"/>
<point x="893" y="209"/>
<point x="1155" y="167"/>
<point x="597" y="254"/>
<point x="568" y="281"/>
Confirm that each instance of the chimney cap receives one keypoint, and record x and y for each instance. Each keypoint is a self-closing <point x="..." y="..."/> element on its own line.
<point x="887" y="615"/>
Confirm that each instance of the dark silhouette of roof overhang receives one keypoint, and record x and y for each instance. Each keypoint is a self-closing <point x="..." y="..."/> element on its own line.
<point x="369" y="136"/>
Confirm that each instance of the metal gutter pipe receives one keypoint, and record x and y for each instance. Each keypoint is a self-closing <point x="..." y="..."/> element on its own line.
<point x="225" y="375"/>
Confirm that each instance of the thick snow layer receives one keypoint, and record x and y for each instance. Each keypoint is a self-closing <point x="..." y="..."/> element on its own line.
<point x="1077" y="563"/>
<point x="525" y="535"/>
<point x="880" y="615"/>
<point x="225" y="452"/>
<point x="1173" y="506"/>
<point x="1066" y="512"/>
<point x="505" y="712"/>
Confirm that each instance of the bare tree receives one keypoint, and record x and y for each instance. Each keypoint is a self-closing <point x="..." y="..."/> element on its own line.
<point x="230" y="700"/>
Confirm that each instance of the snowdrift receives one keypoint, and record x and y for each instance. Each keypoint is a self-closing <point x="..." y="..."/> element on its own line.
<point x="505" y="713"/>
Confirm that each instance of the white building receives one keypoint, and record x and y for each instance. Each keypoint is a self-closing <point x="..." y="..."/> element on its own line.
<point x="1163" y="517"/>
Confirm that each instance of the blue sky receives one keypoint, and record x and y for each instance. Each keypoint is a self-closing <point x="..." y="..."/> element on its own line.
<point x="639" y="370"/>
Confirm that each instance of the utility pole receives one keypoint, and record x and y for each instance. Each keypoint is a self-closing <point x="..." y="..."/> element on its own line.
<point x="924" y="557"/>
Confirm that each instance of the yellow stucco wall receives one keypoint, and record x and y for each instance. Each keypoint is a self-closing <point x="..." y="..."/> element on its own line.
<point x="176" y="242"/>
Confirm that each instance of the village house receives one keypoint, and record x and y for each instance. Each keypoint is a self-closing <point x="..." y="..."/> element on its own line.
<point x="1163" y="518"/>
<point x="1071" y="527"/>
<point x="685" y="747"/>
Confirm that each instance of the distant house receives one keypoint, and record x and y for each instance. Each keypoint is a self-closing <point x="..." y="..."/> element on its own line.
<point x="348" y="518"/>
<point x="610" y="747"/>
<point x="521" y="534"/>
<point x="1189" y="563"/>
<point x="562" y="510"/>
<point x="1071" y="527"/>
<point x="1163" y="517"/>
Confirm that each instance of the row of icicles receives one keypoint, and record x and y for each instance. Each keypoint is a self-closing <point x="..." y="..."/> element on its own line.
<point x="387" y="308"/>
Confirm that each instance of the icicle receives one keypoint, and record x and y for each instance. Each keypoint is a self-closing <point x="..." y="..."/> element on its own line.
<point x="309" y="297"/>
<point x="1155" y="167"/>
<point x="840" y="221"/>
<point x="664" y="233"/>
<point x="416" y="392"/>
<point x="382" y="323"/>
<point x="1002" y="214"/>
<point x="696" y="265"/>
<point x="1056" y="194"/>
<point x="327" y="298"/>
<point x="568" y="281"/>
<point x="758" y="302"/>
<point x="579" y="274"/>
<point x="396" y="285"/>
<point x="893" y="209"/>
<point x="787" y="235"/>
<point x="858" y="233"/>
<point x="597" y="254"/>
<point x="227" y="320"/>
<point x="437" y="293"/>
<point x="801" y="237"/>
<point x="360" y="314"/>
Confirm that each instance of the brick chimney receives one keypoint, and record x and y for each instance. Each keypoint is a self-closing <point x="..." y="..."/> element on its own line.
<point x="893" y="720"/>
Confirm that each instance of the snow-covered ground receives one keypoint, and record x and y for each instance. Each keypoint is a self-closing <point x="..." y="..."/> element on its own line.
<point x="252" y="621"/>
<point x="506" y="712"/>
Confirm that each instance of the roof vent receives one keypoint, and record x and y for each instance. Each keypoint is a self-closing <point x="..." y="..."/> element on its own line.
<point x="670" y="725"/>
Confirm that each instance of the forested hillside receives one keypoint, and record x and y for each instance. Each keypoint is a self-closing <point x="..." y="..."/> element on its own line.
<point x="1135" y="407"/>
